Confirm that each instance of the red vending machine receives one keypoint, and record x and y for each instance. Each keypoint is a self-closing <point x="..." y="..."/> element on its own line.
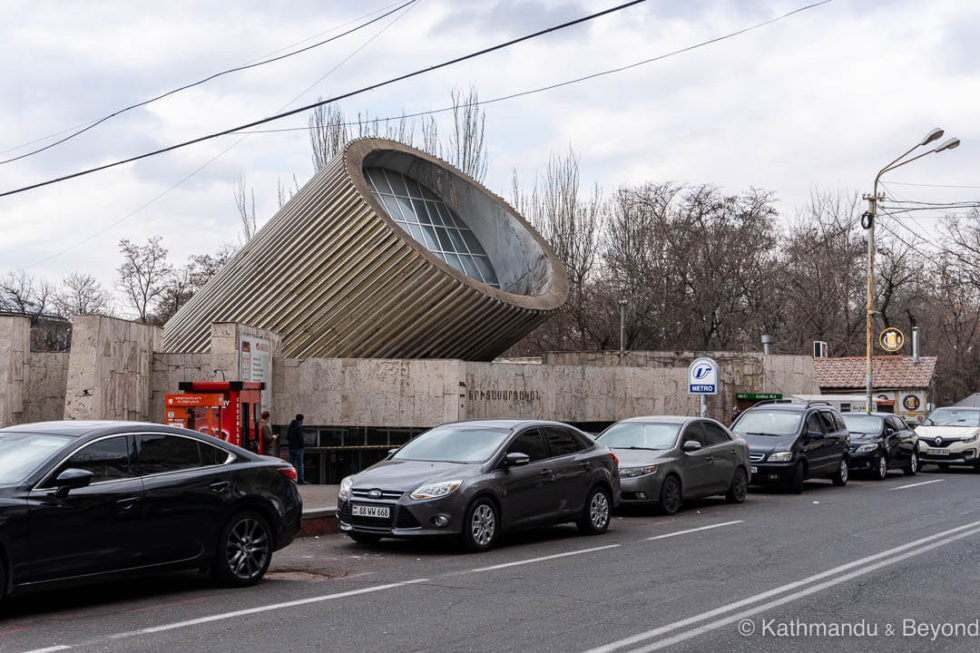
<point x="229" y="410"/>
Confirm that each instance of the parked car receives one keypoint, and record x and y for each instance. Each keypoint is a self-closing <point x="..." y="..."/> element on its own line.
<point x="790" y="442"/>
<point x="93" y="500"/>
<point x="477" y="479"/>
<point x="949" y="437"/>
<point x="881" y="441"/>
<point x="665" y="460"/>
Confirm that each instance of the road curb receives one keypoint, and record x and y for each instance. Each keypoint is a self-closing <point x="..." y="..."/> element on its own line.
<point x="318" y="522"/>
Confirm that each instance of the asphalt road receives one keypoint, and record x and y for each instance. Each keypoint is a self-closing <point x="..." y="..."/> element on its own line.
<point x="891" y="565"/>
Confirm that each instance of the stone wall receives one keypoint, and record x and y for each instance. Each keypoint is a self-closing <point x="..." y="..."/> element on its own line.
<point x="417" y="393"/>
<point x="169" y="370"/>
<point x="49" y="377"/>
<point x="368" y="392"/>
<point x="15" y="369"/>
<point x="110" y="371"/>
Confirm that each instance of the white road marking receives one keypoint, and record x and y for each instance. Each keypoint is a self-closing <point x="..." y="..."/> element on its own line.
<point x="50" y="649"/>
<point x="695" y="530"/>
<point x="902" y="487"/>
<point x="533" y="560"/>
<point x="714" y="625"/>
<point x="264" y="608"/>
<point x="717" y="612"/>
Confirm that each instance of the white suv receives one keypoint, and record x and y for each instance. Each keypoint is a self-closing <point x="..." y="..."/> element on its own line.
<point x="949" y="436"/>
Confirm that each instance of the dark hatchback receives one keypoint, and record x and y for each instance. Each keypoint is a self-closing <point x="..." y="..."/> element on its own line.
<point x="476" y="479"/>
<point x="790" y="442"/>
<point x="83" y="501"/>
<point x="881" y="441"/>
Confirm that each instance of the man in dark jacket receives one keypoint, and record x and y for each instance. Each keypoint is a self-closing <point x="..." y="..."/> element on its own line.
<point x="294" y="439"/>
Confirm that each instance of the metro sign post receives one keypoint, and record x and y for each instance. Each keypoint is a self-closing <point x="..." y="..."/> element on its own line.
<point x="702" y="379"/>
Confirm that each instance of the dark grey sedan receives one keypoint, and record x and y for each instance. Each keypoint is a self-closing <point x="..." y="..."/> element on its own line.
<point x="477" y="479"/>
<point x="664" y="460"/>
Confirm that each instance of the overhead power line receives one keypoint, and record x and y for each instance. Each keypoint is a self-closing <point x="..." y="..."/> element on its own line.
<point x="364" y="89"/>
<point x="98" y="122"/>
<point x="569" y="82"/>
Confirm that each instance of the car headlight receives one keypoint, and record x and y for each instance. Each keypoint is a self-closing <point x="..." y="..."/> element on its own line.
<point x="969" y="438"/>
<point x="867" y="448"/>
<point x="780" y="457"/>
<point x="345" y="485"/>
<point x="630" y="472"/>
<point x="435" y="490"/>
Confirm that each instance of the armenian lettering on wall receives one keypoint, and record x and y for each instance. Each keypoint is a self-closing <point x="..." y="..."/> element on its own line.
<point x="504" y="395"/>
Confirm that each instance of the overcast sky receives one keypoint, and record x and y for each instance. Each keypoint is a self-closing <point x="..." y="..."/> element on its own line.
<point x="821" y="99"/>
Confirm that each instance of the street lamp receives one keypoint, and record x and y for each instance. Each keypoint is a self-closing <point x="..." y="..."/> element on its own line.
<point x="868" y="222"/>
<point x="622" y="329"/>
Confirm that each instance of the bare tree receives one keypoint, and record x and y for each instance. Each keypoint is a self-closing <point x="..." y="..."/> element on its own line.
<point x="245" y="202"/>
<point x="571" y="224"/>
<point x="82" y="294"/>
<point x="25" y="294"/>
<point x="144" y="274"/>
<point x="467" y="149"/>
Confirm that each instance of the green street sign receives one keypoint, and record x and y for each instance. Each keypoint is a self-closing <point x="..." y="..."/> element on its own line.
<point x="758" y="396"/>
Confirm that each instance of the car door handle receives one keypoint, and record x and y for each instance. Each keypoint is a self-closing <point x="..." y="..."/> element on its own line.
<point x="708" y="459"/>
<point x="128" y="503"/>
<point x="218" y="486"/>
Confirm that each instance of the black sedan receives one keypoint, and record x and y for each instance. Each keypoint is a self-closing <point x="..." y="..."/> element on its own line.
<point x="881" y="441"/>
<point x="475" y="479"/>
<point x="92" y="500"/>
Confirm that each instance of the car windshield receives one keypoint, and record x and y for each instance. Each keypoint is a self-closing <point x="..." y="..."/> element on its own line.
<point x="455" y="443"/>
<point x="22" y="453"/>
<point x="862" y="423"/>
<point x="640" y="435"/>
<point x="953" y="417"/>
<point x="768" y="422"/>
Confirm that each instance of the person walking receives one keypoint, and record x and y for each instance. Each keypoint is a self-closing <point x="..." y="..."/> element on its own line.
<point x="294" y="439"/>
<point x="269" y="439"/>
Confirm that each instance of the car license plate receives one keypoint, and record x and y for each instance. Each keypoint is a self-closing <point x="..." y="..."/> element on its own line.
<point x="381" y="512"/>
<point x="937" y="452"/>
<point x="754" y="470"/>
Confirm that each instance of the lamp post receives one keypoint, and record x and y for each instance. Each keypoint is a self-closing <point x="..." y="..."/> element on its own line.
<point x="622" y="329"/>
<point x="868" y="222"/>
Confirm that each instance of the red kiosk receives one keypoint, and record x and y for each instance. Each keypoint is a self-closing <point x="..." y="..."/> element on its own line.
<point x="229" y="410"/>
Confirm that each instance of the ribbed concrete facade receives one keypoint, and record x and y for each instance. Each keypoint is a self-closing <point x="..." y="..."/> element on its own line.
<point x="336" y="277"/>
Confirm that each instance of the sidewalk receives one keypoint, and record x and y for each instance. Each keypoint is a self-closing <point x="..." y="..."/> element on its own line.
<point x="319" y="509"/>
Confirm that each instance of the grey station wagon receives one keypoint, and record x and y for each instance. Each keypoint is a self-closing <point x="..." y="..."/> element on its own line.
<point x="476" y="479"/>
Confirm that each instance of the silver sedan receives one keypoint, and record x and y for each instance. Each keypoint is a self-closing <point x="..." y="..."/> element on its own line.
<point x="665" y="460"/>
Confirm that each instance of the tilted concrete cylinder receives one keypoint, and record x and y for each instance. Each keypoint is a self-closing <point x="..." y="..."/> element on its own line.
<point x="337" y="277"/>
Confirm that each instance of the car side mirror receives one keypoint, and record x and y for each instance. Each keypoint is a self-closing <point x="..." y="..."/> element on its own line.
<point x="392" y="452"/>
<point x="72" y="479"/>
<point x="691" y="445"/>
<point x="814" y="435"/>
<point x="516" y="459"/>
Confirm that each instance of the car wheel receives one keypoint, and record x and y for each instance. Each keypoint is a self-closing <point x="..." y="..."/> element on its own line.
<point x="670" y="495"/>
<point x="481" y="526"/>
<point x="595" y="518"/>
<point x="796" y="481"/>
<point x="365" y="538"/>
<point x="913" y="467"/>
<point x="244" y="550"/>
<point x="739" y="487"/>
<point x="840" y="476"/>
<point x="881" y="469"/>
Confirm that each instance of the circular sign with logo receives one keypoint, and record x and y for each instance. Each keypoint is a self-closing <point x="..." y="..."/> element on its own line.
<point x="911" y="402"/>
<point x="891" y="339"/>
